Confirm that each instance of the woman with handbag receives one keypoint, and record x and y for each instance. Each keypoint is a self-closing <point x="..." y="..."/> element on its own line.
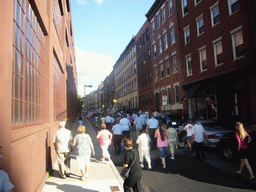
<point x="132" y="165"/>
<point x="243" y="147"/>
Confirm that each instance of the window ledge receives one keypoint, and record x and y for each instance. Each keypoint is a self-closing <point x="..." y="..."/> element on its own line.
<point x="203" y="71"/>
<point x="242" y="57"/>
<point x="215" y="24"/>
<point x="219" y="65"/>
<point x="189" y="75"/>
<point x="198" y="35"/>
<point x="233" y="13"/>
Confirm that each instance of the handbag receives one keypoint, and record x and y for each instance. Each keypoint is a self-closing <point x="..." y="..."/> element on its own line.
<point x="126" y="170"/>
<point x="248" y="140"/>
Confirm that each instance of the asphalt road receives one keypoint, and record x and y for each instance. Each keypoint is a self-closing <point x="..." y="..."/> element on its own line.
<point x="185" y="173"/>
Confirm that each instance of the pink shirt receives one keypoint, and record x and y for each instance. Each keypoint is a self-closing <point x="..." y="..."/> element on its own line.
<point x="241" y="142"/>
<point x="105" y="137"/>
<point x="161" y="143"/>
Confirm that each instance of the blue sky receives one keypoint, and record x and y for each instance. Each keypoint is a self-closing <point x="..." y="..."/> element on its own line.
<point x="102" y="29"/>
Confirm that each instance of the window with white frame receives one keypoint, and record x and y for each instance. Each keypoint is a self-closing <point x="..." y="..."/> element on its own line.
<point x="172" y="35"/>
<point x="169" y="95"/>
<point x="203" y="60"/>
<point x="200" y="25"/>
<point x="218" y="52"/>
<point x="165" y="41"/>
<point x="174" y="63"/>
<point x="187" y="35"/>
<point x="160" y="46"/>
<point x="170" y="7"/>
<point x="154" y="49"/>
<point x="233" y="6"/>
<point x="197" y="1"/>
<point x="158" y="21"/>
<point x="184" y="5"/>
<point x="215" y="14"/>
<point x="162" y="71"/>
<point x="189" y="65"/>
<point x="156" y="74"/>
<point x="153" y="27"/>
<point x="237" y="43"/>
<point x="163" y="15"/>
<point x="167" y="66"/>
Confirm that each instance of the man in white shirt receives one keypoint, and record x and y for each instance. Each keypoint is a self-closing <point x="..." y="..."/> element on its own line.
<point x="61" y="141"/>
<point x="198" y="139"/>
<point x="152" y="125"/>
<point x="108" y="122"/>
<point x="126" y="125"/>
<point x="117" y="131"/>
<point x="139" y="125"/>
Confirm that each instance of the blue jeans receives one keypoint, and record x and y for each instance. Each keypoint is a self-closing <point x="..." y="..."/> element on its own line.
<point x="163" y="152"/>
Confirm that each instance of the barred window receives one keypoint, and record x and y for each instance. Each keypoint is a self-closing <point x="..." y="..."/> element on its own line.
<point x="27" y="66"/>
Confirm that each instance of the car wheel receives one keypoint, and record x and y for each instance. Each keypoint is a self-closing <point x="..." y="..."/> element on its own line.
<point x="228" y="152"/>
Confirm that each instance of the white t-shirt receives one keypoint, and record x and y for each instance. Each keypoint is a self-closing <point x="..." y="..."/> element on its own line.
<point x="117" y="129"/>
<point x="198" y="133"/>
<point x="190" y="129"/>
<point x="143" y="141"/>
<point x="62" y="138"/>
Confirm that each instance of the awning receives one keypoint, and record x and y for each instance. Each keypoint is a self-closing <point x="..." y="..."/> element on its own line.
<point x="191" y="92"/>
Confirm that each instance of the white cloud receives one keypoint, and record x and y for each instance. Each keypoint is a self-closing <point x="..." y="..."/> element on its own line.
<point x="99" y="1"/>
<point x="81" y="2"/>
<point x="92" y="69"/>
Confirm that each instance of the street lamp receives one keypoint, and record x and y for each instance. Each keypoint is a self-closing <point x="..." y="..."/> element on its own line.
<point x="85" y="87"/>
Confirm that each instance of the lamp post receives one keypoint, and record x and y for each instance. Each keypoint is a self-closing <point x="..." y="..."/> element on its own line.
<point x="85" y="87"/>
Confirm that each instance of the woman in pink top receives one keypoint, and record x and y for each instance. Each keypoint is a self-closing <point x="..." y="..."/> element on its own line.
<point x="162" y="143"/>
<point x="243" y="149"/>
<point x="105" y="140"/>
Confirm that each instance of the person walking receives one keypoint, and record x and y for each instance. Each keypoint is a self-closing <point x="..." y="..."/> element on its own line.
<point x="126" y="125"/>
<point x="83" y="150"/>
<point x="152" y="125"/>
<point x="117" y="131"/>
<point x="172" y="139"/>
<point x="198" y="139"/>
<point x="109" y="122"/>
<point x="144" y="148"/>
<point x="105" y="140"/>
<point x="243" y="149"/>
<point x="132" y="183"/>
<point x="80" y="119"/>
<point x="162" y="143"/>
<point x="61" y="141"/>
<point x="138" y="125"/>
<point x="189" y="128"/>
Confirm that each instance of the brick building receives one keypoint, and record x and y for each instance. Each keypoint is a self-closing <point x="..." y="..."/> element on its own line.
<point x="38" y="83"/>
<point x="218" y="48"/>
<point x="167" y="76"/>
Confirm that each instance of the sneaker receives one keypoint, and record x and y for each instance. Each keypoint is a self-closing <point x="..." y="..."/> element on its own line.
<point x="141" y="165"/>
<point x="172" y="158"/>
<point x="149" y="167"/>
<point x="63" y="177"/>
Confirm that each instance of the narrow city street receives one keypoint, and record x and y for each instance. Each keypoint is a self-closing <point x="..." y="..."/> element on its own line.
<point x="185" y="173"/>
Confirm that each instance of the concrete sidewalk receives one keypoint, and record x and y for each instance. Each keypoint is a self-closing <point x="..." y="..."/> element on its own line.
<point x="102" y="177"/>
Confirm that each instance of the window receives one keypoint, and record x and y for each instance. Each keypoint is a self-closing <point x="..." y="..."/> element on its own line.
<point x="218" y="54"/>
<point x="57" y="17"/>
<point x="169" y="98"/>
<point x="174" y="64"/>
<point x="158" y="21"/>
<point x="154" y="49"/>
<point x="147" y="34"/>
<point x="172" y="35"/>
<point x="200" y="25"/>
<point x="156" y="74"/>
<point x="170" y="7"/>
<point x="165" y="41"/>
<point x="167" y="66"/>
<point x="237" y="43"/>
<point x="160" y="46"/>
<point x="162" y="71"/>
<point x="187" y="35"/>
<point x="148" y="54"/>
<point x="184" y="7"/>
<point x="176" y="89"/>
<point x="28" y="66"/>
<point x="153" y="27"/>
<point x="233" y="6"/>
<point x="189" y="65"/>
<point x="163" y="15"/>
<point x="202" y="57"/>
<point x="197" y="1"/>
<point x="215" y="17"/>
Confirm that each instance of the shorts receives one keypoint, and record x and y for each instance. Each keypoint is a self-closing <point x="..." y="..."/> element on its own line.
<point x="83" y="161"/>
<point x="163" y="152"/>
<point x="189" y="138"/>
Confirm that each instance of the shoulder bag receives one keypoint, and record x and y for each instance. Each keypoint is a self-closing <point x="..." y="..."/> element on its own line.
<point x="248" y="139"/>
<point x="126" y="170"/>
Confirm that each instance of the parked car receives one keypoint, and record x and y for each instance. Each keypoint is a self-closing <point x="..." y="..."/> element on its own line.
<point x="228" y="143"/>
<point x="166" y="118"/>
<point x="214" y="131"/>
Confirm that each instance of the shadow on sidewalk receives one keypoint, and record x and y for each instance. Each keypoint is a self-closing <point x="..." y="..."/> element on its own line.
<point x="66" y="187"/>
